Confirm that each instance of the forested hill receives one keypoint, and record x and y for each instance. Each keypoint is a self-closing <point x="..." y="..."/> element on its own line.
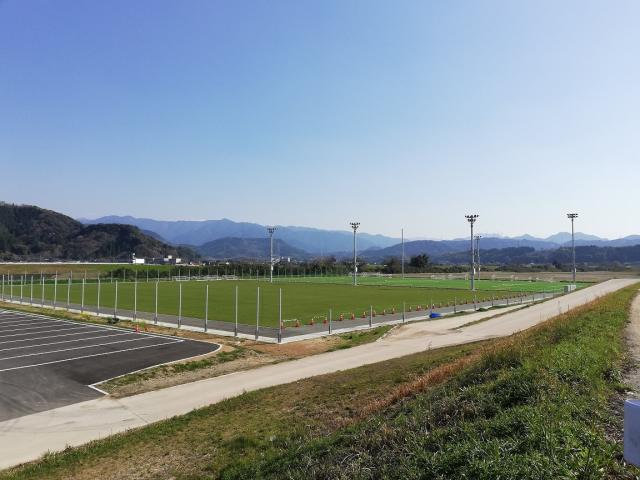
<point x="32" y="233"/>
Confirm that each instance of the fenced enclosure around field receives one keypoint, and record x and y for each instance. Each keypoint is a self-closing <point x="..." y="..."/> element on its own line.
<point x="278" y="311"/>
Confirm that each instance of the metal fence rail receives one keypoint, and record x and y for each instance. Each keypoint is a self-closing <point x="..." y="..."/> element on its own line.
<point x="23" y="293"/>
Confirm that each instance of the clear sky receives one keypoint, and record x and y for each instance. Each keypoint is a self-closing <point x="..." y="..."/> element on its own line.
<point x="395" y="113"/>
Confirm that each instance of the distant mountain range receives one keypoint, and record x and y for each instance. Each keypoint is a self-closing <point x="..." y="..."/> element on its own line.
<point x="193" y="232"/>
<point x="249" y="248"/>
<point x="226" y="239"/>
<point x="33" y="233"/>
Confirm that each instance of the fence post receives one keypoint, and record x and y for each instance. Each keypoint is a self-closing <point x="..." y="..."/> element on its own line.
<point x="235" y="332"/>
<point x="206" y="307"/>
<point x="115" y="302"/>
<point x="258" y="314"/>
<point x="180" y="305"/>
<point x="69" y="292"/>
<point x="82" y="296"/>
<point x="155" y="314"/>
<point x="135" y="299"/>
<point x="98" y="298"/>
<point x="370" y="316"/>
<point x="41" y="293"/>
<point x="455" y="304"/>
<point x="403" y="312"/>
<point x="31" y="295"/>
<point x="3" y="287"/>
<point x="330" y="320"/>
<point x="279" y="315"/>
<point x="55" y="291"/>
<point x="21" y="286"/>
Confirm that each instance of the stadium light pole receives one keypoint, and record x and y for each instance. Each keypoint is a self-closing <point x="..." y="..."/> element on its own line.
<point x="271" y="230"/>
<point x="355" y="226"/>
<point x="573" y="216"/>
<point x="402" y="235"/>
<point x="478" y="237"/>
<point x="472" y="219"/>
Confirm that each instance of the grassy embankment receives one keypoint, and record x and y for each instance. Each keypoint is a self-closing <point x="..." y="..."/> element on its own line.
<point x="535" y="405"/>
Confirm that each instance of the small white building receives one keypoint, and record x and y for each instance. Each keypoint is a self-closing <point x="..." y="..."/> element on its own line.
<point x="171" y="261"/>
<point x="137" y="261"/>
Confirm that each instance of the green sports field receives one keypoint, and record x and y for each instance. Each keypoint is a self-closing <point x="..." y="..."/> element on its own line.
<point x="302" y="301"/>
<point x="481" y="285"/>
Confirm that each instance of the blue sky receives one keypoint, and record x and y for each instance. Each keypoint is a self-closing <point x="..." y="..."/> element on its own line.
<point x="397" y="114"/>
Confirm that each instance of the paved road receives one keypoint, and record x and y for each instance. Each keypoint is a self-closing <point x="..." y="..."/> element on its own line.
<point x="26" y="438"/>
<point x="48" y="362"/>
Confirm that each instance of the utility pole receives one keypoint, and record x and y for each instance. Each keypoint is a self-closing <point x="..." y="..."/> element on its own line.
<point x="478" y="237"/>
<point x="472" y="219"/>
<point x="271" y="230"/>
<point x="402" y="235"/>
<point x="355" y="226"/>
<point x="573" y="216"/>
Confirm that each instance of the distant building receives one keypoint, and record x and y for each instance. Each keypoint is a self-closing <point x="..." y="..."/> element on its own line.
<point x="169" y="260"/>
<point x="137" y="261"/>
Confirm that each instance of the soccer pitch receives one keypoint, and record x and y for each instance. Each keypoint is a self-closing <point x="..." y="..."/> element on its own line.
<point x="300" y="300"/>
<point x="459" y="284"/>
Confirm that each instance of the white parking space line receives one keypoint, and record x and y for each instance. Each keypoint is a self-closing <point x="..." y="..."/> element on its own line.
<point x="31" y="339"/>
<point x="63" y="341"/>
<point x="3" y="359"/>
<point x="24" y="322"/>
<point x="87" y="356"/>
<point x="11" y="330"/>
<point x="104" y="327"/>
<point x="63" y="329"/>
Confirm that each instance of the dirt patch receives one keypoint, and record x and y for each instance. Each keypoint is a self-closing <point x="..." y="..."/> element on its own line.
<point x="299" y="349"/>
<point x="164" y="377"/>
<point x="632" y="340"/>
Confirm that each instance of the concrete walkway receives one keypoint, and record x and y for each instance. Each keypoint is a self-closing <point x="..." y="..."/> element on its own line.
<point x="27" y="438"/>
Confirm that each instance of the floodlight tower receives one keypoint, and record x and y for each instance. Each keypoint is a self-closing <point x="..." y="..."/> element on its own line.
<point x="478" y="237"/>
<point x="402" y="235"/>
<point x="573" y="216"/>
<point x="355" y="226"/>
<point x="271" y="230"/>
<point x="472" y="219"/>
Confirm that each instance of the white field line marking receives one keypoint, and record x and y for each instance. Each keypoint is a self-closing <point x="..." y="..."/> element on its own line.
<point x="64" y="341"/>
<point x="34" y="334"/>
<point x="69" y="349"/>
<point x="45" y="337"/>
<point x="87" y="356"/>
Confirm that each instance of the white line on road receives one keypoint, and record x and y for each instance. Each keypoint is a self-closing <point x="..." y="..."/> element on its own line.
<point x="69" y="349"/>
<point x="48" y="325"/>
<point x="63" y="341"/>
<point x="88" y="332"/>
<point x="87" y="356"/>
<point x="34" y="336"/>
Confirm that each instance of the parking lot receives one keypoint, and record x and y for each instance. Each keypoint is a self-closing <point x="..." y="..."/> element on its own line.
<point x="48" y="362"/>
